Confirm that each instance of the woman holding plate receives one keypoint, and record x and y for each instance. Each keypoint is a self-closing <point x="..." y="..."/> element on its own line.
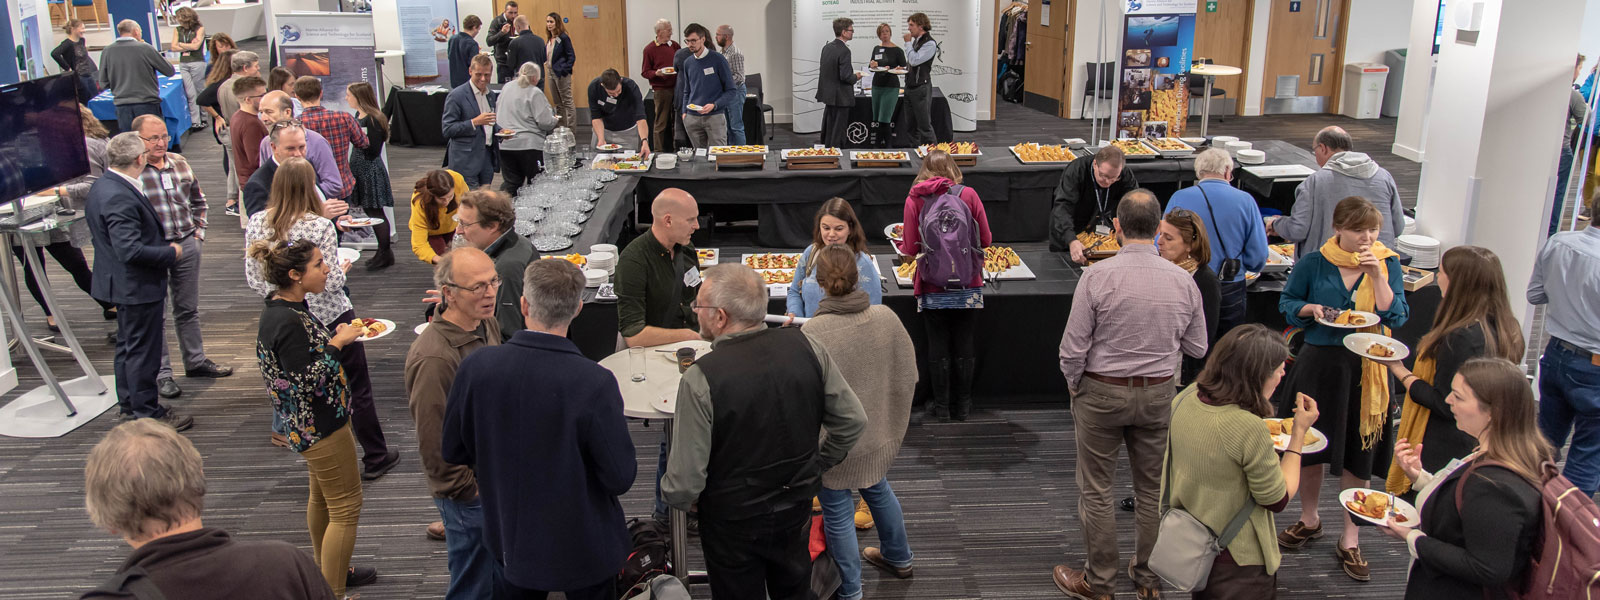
<point x="885" y="86"/>
<point x="1351" y="271"/>
<point x="526" y="114"/>
<point x="1481" y="515"/>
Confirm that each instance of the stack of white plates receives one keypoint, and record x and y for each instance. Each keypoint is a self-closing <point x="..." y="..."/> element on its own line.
<point x="603" y="261"/>
<point x="595" y="277"/>
<point x="612" y="248"/>
<point x="1424" y="250"/>
<point x="1411" y="226"/>
<point x="1221" y="141"/>
<point x="1250" y="156"/>
<point x="1235" y="146"/>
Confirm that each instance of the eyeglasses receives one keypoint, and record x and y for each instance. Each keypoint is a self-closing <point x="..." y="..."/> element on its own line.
<point x="480" y="289"/>
<point x="697" y="306"/>
<point x="162" y="137"/>
<point x="461" y="223"/>
<point x="252" y="97"/>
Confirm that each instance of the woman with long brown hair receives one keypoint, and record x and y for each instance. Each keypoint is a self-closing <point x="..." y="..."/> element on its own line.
<point x="434" y="201"/>
<point x="558" y="48"/>
<point x="1183" y="241"/>
<point x="219" y="43"/>
<point x="189" y="40"/>
<point x="1474" y="320"/>
<point x="950" y="312"/>
<point x="835" y="224"/>
<point x="1480" y="515"/>
<point x="372" y="192"/>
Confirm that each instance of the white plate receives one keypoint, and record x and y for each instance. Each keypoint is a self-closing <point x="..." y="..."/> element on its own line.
<point x="363" y="222"/>
<point x="388" y="328"/>
<point x="693" y="107"/>
<point x="505" y="133"/>
<point x="667" y="71"/>
<point x="420" y="328"/>
<point x="1371" y="319"/>
<point x="349" y="254"/>
<point x="1280" y="442"/>
<point x="1400" y="506"/>
<point x="888" y="232"/>
<point x="609" y="147"/>
<point x="1359" y="342"/>
<point x="1193" y="141"/>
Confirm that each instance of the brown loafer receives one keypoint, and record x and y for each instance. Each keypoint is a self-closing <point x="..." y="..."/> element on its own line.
<point x="279" y="440"/>
<point x="1071" y="582"/>
<point x="1144" y="593"/>
<point x="875" y="557"/>
<point x="436" y="531"/>
<point x="1354" y="565"/>
<point x="1298" y="535"/>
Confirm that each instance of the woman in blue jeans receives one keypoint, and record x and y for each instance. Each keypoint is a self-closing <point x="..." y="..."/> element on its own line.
<point x="875" y="355"/>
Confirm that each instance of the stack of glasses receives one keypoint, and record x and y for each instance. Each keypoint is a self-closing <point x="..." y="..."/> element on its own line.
<point x="552" y="209"/>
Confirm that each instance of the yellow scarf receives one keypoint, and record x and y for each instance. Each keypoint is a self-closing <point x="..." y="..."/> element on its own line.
<point x="1413" y="424"/>
<point x="1374" y="376"/>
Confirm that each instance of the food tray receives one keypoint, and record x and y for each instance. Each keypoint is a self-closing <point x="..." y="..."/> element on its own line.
<point x="777" y="289"/>
<point x="1185" y="150"/>
<point x="794" y="153"/>
<point x="1017" y="273"/>
<point x="744" y="259"/>
<point x="1073" y="153"/>
<point x="922" y="152"/>
<point x="1136" y="150"/>
<point x="616" y="162"/>
<point x="1276" y="262"/>
<point x="748" y="150"/>
<point x="708" y="256"/>
<point x="879" y="157"/>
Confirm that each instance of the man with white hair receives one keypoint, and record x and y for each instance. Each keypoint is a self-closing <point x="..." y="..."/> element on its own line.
<point x="1344" y="173"/>
<point x="1234" y="226"/>
<point x="745" y="439"/>
<point x="147" y="484"/>
<point x="128" y="68"/>
<point x="658" y="69"/>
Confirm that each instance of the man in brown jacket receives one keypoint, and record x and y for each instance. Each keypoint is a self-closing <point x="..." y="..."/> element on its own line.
<point x="468" y="284"/>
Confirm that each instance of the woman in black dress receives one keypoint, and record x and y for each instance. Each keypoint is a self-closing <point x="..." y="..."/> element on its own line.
<point x="1183" y="241"/>
<point x="372" y="191"/>
<point x="72" y="55"/>
<point x="885" y="86"/>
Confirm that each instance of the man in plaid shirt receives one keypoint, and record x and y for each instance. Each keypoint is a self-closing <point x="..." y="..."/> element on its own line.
<point x="339" y="127"/>
<point x="175" y="195"/>
<point x="736" y="63"/>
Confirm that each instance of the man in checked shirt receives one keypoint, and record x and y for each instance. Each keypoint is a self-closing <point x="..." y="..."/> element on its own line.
<point x="181" y="207"/>
<point x="339" y="127"/>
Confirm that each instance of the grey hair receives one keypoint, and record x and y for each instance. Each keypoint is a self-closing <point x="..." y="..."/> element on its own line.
<point x="662" y="24"/>
<point x="127" y="27"/>
<point x="554" y="291"/>
<point x="727" y="28"/>
<point x="279" y="130"/>
<point x="1334" y="138"/>
<point x="124" y="150"/>
<point x="738" y="292"/>
<point x="529" y="74"/>
<point x="444" y="271"/>
<point x="243" y="58"/>
<point x="143" y="474"/>
<point x="1212" y="161"/>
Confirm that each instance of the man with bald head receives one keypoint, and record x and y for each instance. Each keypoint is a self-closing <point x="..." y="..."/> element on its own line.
<point x="277" y="107"/>
<point x="1132" y="315"/>
<point x="1344" y="174"/>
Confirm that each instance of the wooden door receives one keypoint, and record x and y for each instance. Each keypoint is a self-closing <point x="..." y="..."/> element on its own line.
<point x="1043" y="81"/>
<point x="1224" y="37"/>
<point x="1305" y="38"/>
<point x="598" y="42"/>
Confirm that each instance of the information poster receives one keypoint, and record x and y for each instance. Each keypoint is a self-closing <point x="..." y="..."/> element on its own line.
<point x="1157" y="46"/>
<point x="955" y="67"/>
<point x="335" y="47"/>
<point x="425" y="30"/>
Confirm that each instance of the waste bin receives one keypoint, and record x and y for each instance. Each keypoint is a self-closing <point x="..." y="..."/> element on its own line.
<point x="1396" y="60"/>
<point x="1363" y="90"/>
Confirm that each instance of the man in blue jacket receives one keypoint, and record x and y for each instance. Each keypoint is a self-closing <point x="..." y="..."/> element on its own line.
<point x="705" y="90"/>
<point x="462" y="48"/>
<point x="549" y="447"/>
<point x="1234" y="226"/>
<point x="471" y="148"/>
<point x="130" y="270"/>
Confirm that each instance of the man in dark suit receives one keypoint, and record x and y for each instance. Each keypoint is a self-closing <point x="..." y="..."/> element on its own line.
<point x="835" y="77"/>
<point x="130" y="271"/>
<point x="501" y="32"/>
<point x="463" y="48"/>
<point x="287" y="142"/>
<point x="471" y="149"/>
<point x="526" y="48"/>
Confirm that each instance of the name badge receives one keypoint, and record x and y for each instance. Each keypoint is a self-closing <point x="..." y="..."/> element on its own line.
<point x="166" y="181"/>
<point x="691" y="278"/>
<point x="1102" y="230"/>
<point x="710" y="71"/>
<point x="879" y="55"/>
<point x="610" y="100"/>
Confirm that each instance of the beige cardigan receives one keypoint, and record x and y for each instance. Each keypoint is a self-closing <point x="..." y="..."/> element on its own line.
<point x="875" y="355"/>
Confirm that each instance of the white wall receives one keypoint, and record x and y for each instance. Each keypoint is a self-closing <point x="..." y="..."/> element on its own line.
<point x="1259" y="23"/>
<point x="1377" y="26"/>
<point x="1086" y="35"/>
<point x="1411" y="129"/>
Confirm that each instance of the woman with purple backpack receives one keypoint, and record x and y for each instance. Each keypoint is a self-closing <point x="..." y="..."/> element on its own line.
<point x="947" y="230"/>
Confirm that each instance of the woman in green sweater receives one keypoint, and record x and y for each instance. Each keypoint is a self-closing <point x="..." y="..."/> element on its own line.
<point x="1220" y="458"/>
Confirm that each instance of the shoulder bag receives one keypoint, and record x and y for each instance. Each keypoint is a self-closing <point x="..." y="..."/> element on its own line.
<point x="1185" y="548"/>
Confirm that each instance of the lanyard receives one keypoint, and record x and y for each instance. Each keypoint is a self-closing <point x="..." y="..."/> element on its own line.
<point x="1100" y="198"/>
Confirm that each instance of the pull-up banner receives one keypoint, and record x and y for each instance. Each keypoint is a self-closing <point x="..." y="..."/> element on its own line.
<point x="335" y="47"/>
<point x="425" y="30"/>
<point x="1157" y="47"/>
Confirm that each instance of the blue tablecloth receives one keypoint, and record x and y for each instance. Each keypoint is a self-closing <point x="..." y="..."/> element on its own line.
<point x="174" y="107"/>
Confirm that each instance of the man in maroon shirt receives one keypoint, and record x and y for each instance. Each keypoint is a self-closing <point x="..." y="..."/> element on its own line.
<point x="247" y="130"/>
<point x="658" y="55"/>
<point x="339" y="127"/>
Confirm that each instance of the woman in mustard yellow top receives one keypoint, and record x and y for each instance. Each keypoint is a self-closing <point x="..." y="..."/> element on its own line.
<point x="433" y="212"/>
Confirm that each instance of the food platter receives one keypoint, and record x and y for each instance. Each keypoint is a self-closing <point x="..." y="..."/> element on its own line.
<point x="750" y="150"/>
<point x="1350" y="319"/>
<point x="905" y="274"/>
<point x="1135" y="149"/>
<point x="707" y="256"/>
<point x="1170" y="147"/>
<point x="1404" y="513"/>
<point x="383" y="327"/>
<point x="894" y="231"/>
<point x="771" y="260"/>
<point x="1043" y="154"/>
<point x="1276" y="261"/>
<point x="574" y="258"/>
<point x="879" y="158"/>
<point x="363" y="222"/>
<point x="955" y="149"/>
<point x="1099" y="246"/>
<point x="1315" y="440"/>
<point x="620" y="162"/>
<point x="1365" y="343"/>
<point x="792" y="153"/>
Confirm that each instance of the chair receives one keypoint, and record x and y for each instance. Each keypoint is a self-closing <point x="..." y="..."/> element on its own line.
<point x="1197" y="84"/>
<point x="1102" y="89"/>
<point x="53" y="5"/>
<point x="79" y="5"/>
<point x="752" y="82"/>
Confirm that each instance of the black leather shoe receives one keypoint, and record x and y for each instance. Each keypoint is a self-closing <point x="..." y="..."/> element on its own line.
<point x="1126" y="504"/>
<point x="360" y="576"/>
<point x="167" y="388"/>
<point x="111" y="338"/>
<point x="177" y="421"/>
<point x="383" y="468"/>
<point x="209" y="369"/>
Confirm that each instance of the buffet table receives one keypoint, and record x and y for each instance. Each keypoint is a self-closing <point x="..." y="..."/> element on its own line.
<point x="860" y="114"/>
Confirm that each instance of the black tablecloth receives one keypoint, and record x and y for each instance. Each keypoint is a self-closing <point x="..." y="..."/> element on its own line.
<point x="416" y="118"/>
<point x="861" y="117"/>
<point x="1277" y="193"/>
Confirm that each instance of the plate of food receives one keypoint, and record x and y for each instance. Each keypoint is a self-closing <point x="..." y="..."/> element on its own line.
<point x="574" y="258"/>
<point x="1279" y="429"/>
<point x="1377" y="507"/>
<point x="899" y="71"/>
<point x="1346" y="319"/>
<point x="372" y="329"/>
<point x="810" y="153"/>
<point x="766" y="261"/>
<point x="951" y="148"/>
<point x="772" y="276"/>
<point x="1376" y="347"/>
<point x="693" y="107"/>
<point x="667" y="71"/>
<point x="1251" y="277"/>
<point x="1135" y="149"/>
<point x="363" y="222"/>
<point x="707" y="256"/>
<point x="738" y="150"/>
<point x="880" y="156"/>
<point x="505" y="133"/>
<point x="895" y="231"/>
<point x="609" y="147"/>
<point x="1043" y="154"/>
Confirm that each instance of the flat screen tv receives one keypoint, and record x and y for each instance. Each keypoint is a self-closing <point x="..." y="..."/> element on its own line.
<point x="41" y="136"/>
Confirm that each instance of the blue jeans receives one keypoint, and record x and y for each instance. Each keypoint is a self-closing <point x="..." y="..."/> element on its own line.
<point x="1563" y="172"/>
<point x="839" y="525"/>
<point x="473" y="570"/>
<point x="1569" y="402"/>
<point x="736" y="119"/>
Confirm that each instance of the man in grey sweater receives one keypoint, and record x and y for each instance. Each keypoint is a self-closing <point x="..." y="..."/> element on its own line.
<point x="128" y="68"/>
<point x="1344" y="174"/>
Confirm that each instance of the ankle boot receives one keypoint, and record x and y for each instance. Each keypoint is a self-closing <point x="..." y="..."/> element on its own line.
<point x="382" y="259"/>
<point x="885" y="135"/>
<point x="961" y="388"/>
<point x="939" y="405"/>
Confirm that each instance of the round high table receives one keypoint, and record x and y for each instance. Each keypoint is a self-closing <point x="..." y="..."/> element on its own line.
<point x="1210" y="72"/>
<point x="655" y="398"/>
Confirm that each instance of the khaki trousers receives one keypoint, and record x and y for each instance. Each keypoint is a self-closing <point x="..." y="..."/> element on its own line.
<point x="661" y="129"/>
<point x="1105" y="417"/>
<point x="335" y="504"/>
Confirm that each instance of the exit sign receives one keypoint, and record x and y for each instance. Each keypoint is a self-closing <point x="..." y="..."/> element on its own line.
<point x="1294" y="6"/>
<point x="1211" y="5"/>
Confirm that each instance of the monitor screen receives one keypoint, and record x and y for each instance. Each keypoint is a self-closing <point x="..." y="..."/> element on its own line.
<point x="41" y="136"/>
<point x="1438" y="27"/>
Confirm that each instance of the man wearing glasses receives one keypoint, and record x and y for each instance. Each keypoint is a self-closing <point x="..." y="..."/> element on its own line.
<point x="488" y="222"/>
<point x="180" y="207"/>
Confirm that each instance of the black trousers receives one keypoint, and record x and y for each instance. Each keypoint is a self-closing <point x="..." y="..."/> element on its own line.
<point x="363" y="414"/>
<point x="1231" y="313"/>
<point x="505" y="72"/>
<point x="605" y="590"/>
<point x="951" y="333"/>
<point x="69" y="258"/>
<point x="126" y="113"/>
<point x="142" y="330"/>
<point x="518" y="167"/>
<point x="761" y="557"/>
<point x="835" y="122"/>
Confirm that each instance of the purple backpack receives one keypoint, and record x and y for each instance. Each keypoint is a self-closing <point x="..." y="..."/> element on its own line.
<point x="950" y="253"/>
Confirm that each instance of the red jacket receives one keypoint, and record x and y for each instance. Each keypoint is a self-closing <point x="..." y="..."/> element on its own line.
<point x="659" y="56"/>
<point x="911" y="238"/>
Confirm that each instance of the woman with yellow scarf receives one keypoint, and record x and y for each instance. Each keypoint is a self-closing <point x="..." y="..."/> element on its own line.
<point x="1351" y="271"/>
<point x="1474" y="320"/>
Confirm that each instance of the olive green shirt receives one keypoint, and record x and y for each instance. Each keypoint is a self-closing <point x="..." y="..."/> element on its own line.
<point x="1222" y="458"/>
<point x="655" y="287"/>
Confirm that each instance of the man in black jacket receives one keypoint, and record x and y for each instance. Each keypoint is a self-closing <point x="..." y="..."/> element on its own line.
<point x="1086" y="199"/>
<point x="526" y="48"/>
<point x="501" y="30"/>
<point x="462" y="48"/>
<point x="835" y="77"/>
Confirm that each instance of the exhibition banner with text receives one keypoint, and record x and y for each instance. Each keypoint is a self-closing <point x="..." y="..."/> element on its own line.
<point x="335" y="47"/>
<point x="1157" y="46"/>
<point x="425" y="30"/>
